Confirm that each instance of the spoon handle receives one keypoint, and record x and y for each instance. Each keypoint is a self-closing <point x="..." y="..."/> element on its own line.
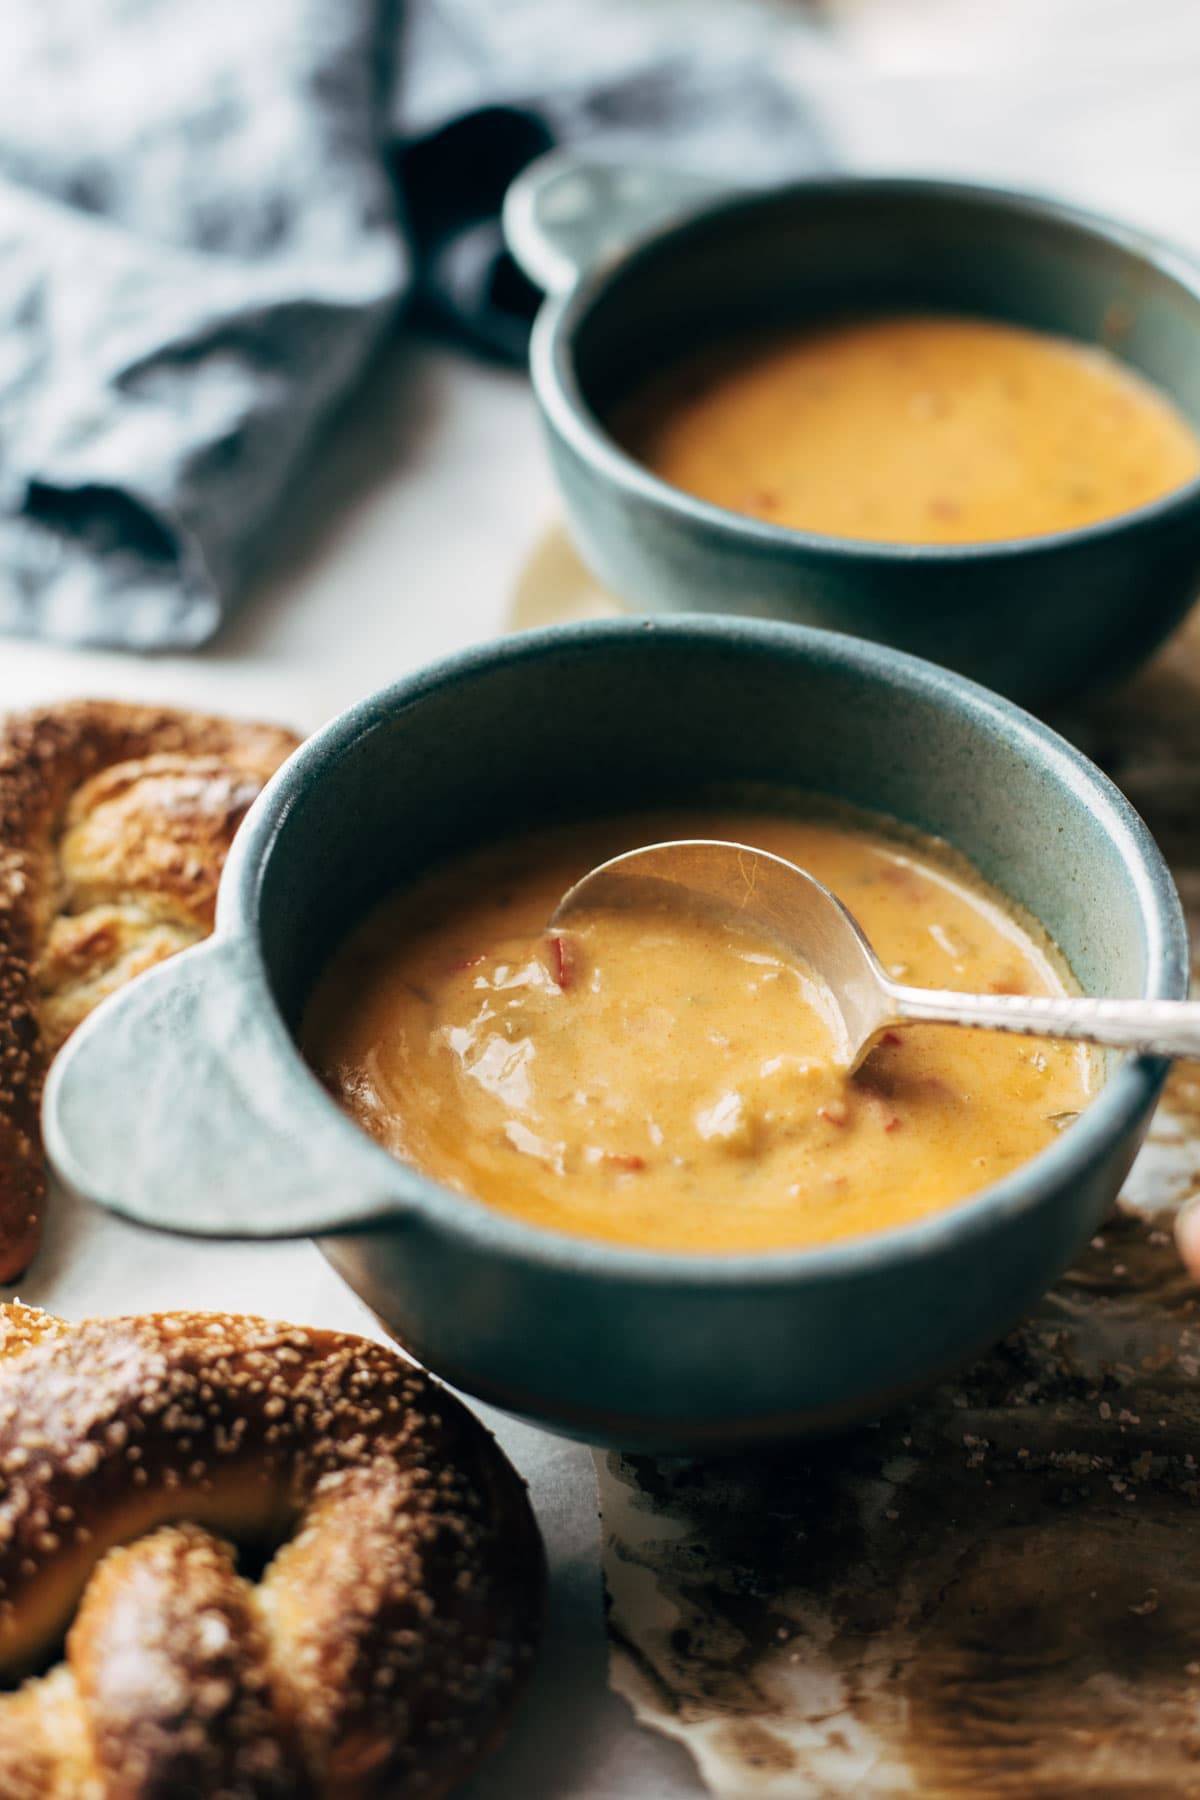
<point x="1153" y="1027"/>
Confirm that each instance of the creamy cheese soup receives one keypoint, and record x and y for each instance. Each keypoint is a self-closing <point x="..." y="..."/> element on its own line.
<point x="661" y="1079"/>
<point x="936" y="430"/>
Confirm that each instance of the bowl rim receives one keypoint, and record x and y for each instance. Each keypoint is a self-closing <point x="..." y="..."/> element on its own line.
<point x="1117" y="1110"/>
<point x="556" y="386"/>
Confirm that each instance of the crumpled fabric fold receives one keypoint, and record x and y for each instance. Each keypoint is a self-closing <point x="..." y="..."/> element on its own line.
<point x="211" y="214"/>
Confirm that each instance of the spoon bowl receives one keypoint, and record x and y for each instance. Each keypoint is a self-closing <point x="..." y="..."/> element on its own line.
<point x="754" y="890"/>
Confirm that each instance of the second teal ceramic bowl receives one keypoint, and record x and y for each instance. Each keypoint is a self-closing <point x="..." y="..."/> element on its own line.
<point x="183" y="1101"/>
<point x="633" y="286"/>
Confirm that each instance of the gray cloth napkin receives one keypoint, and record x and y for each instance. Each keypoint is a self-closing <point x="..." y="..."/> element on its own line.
<point x="212" y="210"/>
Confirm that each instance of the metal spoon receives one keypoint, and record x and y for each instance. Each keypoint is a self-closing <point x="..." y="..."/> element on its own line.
<point x="774" y="899"/>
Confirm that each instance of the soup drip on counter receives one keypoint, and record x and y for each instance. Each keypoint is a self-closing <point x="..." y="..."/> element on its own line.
<point x="937" y="430"/>
<point x="661" y="1079"/>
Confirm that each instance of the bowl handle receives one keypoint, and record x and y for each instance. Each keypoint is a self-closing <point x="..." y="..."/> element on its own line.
<point x="181" y="1103"/>
<point x="563" y="214"/>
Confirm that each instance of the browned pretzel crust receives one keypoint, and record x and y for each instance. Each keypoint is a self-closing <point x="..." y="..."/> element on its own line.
<point x="114" y="825"/>
<point x="381" y="1651"/>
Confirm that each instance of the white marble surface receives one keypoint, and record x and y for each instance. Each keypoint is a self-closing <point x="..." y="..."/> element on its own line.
<point x="1097" y="101"/>
<point x="405" y="544"/>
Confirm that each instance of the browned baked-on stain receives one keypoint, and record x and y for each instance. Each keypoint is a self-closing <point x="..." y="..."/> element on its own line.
<point x="1051" y="1609"/>
<point x="757" y="1748"/>
<point x="115" y="821"/>
<point x="1055" y="1656"/>
<point x="999" y="1575"/>
<point x="761" y="1527"/>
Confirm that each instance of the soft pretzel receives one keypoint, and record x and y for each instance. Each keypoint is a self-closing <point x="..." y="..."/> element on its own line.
<point x="383" y="1646"/>
<point x="114" y="825"/>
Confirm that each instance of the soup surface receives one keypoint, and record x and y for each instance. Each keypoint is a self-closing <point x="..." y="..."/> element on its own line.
<point x="935" y="430"/>
<point x="664" y="1080"/>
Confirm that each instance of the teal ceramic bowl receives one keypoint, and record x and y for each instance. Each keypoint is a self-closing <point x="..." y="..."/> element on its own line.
<point x="1036" y="618"/>
<point x="183" y="1102"/>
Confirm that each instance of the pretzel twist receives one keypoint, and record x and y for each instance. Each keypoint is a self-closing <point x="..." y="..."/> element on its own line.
<point x="114" y="825"/>
<point x="393" y="1624"/>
